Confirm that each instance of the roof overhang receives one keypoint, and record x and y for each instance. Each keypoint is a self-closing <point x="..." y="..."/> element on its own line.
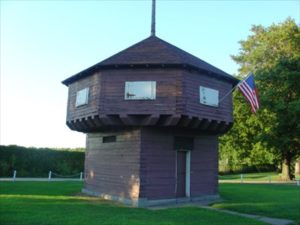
<point x="93" y="69"/>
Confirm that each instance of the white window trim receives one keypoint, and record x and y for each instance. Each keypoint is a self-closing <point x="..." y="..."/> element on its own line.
<point x="212" y="91"/>
<point x="153" y="91"/>
<point x="188" y="174"/>
<point x="84" y="91"/>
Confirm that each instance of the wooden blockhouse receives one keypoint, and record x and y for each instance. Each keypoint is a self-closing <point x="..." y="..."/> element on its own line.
<point x="152" y="114"/>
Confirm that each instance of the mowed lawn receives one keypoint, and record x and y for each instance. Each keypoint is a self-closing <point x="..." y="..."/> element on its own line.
<point x="59" y="203"/>
<point x="251" y="176"/>
<point x="49" y="203"/>
<point x="272" y="200"/>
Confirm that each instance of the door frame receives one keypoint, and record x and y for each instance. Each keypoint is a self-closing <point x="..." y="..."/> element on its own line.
<point x="187" y="172"/>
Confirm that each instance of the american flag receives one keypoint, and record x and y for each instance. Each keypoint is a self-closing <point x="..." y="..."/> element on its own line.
<point x="247" y="87"/>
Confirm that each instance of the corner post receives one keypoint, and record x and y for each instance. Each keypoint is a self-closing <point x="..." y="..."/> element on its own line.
<point x="14" y="175"/>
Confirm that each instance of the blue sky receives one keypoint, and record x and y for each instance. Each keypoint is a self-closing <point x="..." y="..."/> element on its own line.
<point x="44" y="42"/>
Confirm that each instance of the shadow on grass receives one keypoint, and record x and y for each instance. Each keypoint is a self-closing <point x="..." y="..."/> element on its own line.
<point x="66" y="210"/>
<point x="278" y="201"/>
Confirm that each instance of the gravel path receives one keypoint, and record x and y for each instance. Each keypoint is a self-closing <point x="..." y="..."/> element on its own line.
<point x="269" y="220"/>
<point x="204" y="205"/>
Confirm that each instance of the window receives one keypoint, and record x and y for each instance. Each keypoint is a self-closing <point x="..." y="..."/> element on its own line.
<point x="82" y="97"/>
<point x="109" y="139"/>
<point x="209" y="96"/>
<point x="140" y="90"/>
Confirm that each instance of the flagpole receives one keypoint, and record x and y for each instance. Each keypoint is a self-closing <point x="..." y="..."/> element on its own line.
<point x="153" y="23"/>
<point x="229" y="92"/>
<point x="249" y="74"/>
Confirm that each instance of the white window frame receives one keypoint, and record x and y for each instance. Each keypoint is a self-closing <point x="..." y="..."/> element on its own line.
<point x="127" y="90"/>
<point x="82" y="97"/>
<point x="188" y="174"/>
<point x="209" y="96"/>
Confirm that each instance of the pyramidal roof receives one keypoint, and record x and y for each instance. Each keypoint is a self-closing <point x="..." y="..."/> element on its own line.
<point x="153" y="51"/>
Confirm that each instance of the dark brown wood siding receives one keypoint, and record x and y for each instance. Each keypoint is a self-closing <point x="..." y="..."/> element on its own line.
<point x="204" y="166"/>
<point x="158" y="161"/>
<point x="192" y="82"/>
<point x="177" y="102"/>
<point x="113" y="168"/>
<point x="112" y="92"/>
<point x="158" y="164"/>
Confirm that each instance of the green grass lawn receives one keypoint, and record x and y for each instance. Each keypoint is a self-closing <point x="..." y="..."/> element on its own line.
<point x="254" y="176"/>
<point x="58" y="203"/>
<point x="273" y="200"/>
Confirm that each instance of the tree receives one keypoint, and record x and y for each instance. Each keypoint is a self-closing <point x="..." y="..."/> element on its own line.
<point x="242" y="148"/>
<point x="273" y="55"/>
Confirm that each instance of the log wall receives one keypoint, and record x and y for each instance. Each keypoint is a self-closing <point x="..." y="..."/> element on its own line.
<point x="168" y="89"/>
<point x="204" y="166"/>
<point x="158" y="164"/>
<point x="177" y="102"/>
<point x="113" y="168"/>
<point x="191" y="83"/>
<point x="94" y="84"/>
<point x="141" y="164"/>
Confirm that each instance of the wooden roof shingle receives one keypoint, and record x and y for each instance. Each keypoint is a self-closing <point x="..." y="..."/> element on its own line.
<point x="153" y="51"/>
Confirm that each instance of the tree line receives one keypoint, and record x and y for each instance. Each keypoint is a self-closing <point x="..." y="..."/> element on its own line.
<point x="37" y="162"/>
<point x="272" y="135"/>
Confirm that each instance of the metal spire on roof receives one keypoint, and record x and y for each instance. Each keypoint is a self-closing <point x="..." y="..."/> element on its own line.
<point x="153" y="18"/>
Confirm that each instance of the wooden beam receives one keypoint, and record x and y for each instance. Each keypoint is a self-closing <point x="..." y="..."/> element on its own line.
<point x="150" y="120"/>
<point x="126" y="120"/>
<point x="171" y="120"/>
<point x="115" y="119"/>
<point x="79" y="125"/>
<point x="213" y="125"/>
<point x="70" y="125"/>
<point x="184" y="121"/>
<point x="195" y="124"/>
<point x="90" y="123"/>
<point x="204" y="124"/>
<point x="84" y="124"/>
<point x="97" y="121"/>
<point x="187" y="121"/>
<point x="162" y="120"/>
<point x="76" y="125"/>
<point x="221" y="126"/>
<point x="228" y="127"/>
<point x="106" y="121"/>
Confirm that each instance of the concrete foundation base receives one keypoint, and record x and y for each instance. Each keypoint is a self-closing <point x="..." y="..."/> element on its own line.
<point x="143" y="202"/>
